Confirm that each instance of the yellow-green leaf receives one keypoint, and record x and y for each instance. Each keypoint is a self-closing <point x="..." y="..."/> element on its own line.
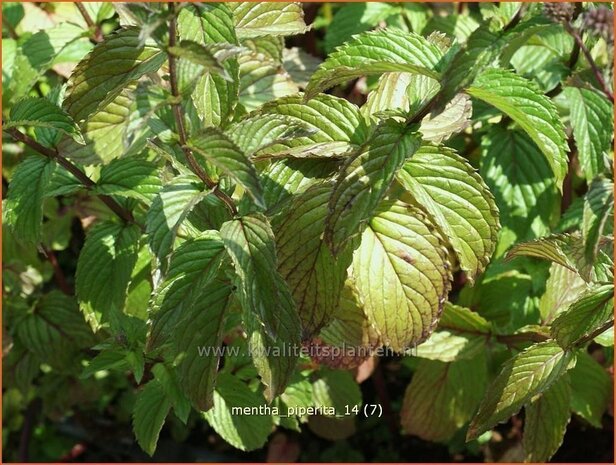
<point x="402" y="274"/>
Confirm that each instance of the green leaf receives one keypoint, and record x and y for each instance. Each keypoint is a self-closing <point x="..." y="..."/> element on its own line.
<point x="107" y="132"/>
<point x="591" y="116"/>
<point x="210" y="213"/>
<point x="564" y="249"/>
<point x="275" y="358"/>
<point x="489" y="43"/>
<point x="535" y="113"/>
<point x="337" y="389"/>
<point x="571" y="219"/>
<point x="364" y="180"/>
<point x="462" y="319"/>
<point x="442" y="397"/>
<point x="337" y="125"/>
<point x="591" y="389"/>
<point x="151" y="409"/>
<point x="300" y="65"/>
<point x="41" y="113"/>
<point x="197" y="54"/>
<point x="269" y="311"/>
<point x="482" y="47"/>
<point x="108" y="359"/>
<point x="262" y="290"/>
<point x="461" y="334"/>
<point x="268" y="19"/>
<point x="215" y="97"/>
<point x="349" y="326"/>
<point x="100" y="77"/>
<point x="62" y="43"/>
<point x="454" y="118"/>
<point x="562" y="288"/>
<point x="606" y="338"/>
<point x="544" y="57"/>
<point x="196" y="60"/>
<point x="522" y="377"/>
<point x="220" y="151"/>
<point x="283" y="179"/>
<point x="104" y="270"/>
<point x="506" y="297"/>
<point x="169" y="209"/>
<point x="297" y="394"/>
<point x="262" y="80"/>
<point x="246" y="432"/>
<point x="136" y="363"/>
<point x="402" y="264"/>
<point x="9" y="55"/>
<point x="207" y="23"/>
<point x="586" y="315"/>
<point x="405" y="93"/>
<point x="545" y="422"/>
<point x="354" y="18"/>
<point x="390" y="93"/>
<point x="466" y="213"/>
<point x="168" y="380"/>
<point x="270" y="46"/>
<point x="598" y="206"/>
<point x="522" y="183"/>
<point x="201" y="327"/>
<point x="417" y="14"/>
<point x="50" y="136"/>
<point x="130" y="177"/>
<point x="24" y="201"/>
<point x="258" y="132"/>
<point x="20" y="367"/>
<point x="314" y="276"/>
<point x="369" y="53"/>
<point x="459" y="27"/>
<point x="55" y="330"/>
<point x="192" y="266"/>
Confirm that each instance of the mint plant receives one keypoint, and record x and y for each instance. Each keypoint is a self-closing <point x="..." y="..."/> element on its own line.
<point x="201" y="224"/>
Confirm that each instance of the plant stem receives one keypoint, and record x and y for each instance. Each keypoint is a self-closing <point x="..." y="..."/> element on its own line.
<point x="597" y="72"/>
<point x="30" y="421"/>
<point x="98" y="35"/>
<point x="113" y="205"/>
<point x="573" y="59"/>
<point x="57" y="272"/>
<point x="567" y="196"/>
<point x="405" y="18"/>
<point x="595" y="333"/>
<point x="9" y="27"/>
<point x="179" y="121"/>
<point x="509" y="339"/>
<point x="516" y="18"/>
